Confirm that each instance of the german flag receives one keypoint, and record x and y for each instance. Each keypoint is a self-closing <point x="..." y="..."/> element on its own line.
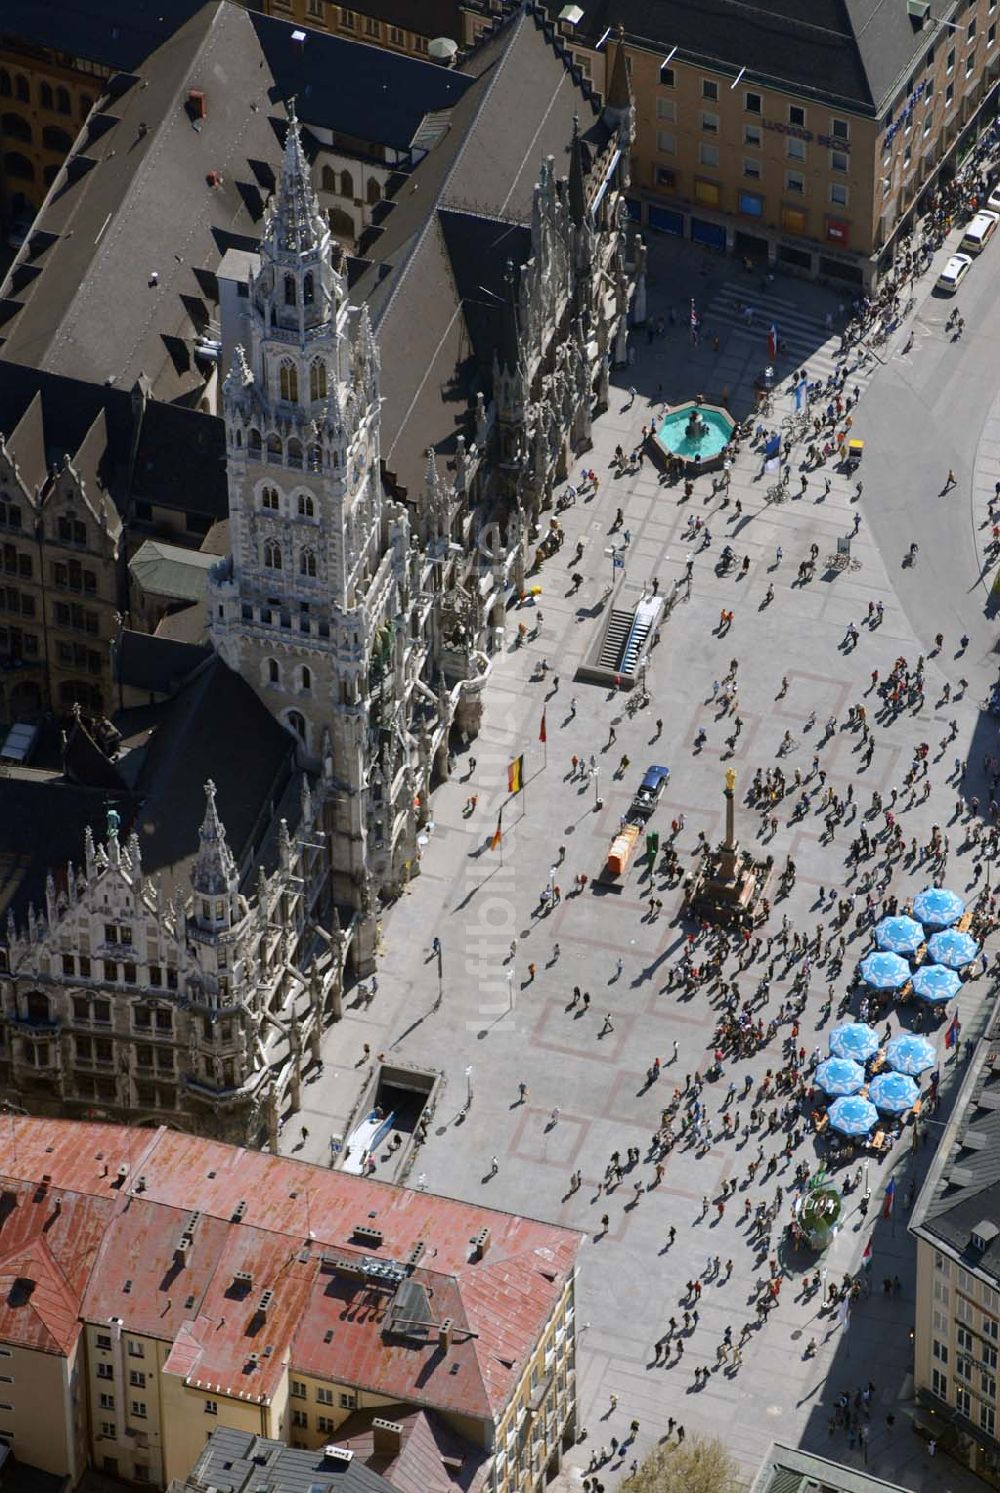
<point x="515" y="775"/>
<point x="497" y="839"/>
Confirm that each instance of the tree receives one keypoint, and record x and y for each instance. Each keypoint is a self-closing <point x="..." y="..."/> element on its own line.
<point x="696" y="1465"/>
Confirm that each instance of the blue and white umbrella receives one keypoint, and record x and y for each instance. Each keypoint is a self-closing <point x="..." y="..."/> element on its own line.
<point x="852" y="1115"/>
<point x="893" y="1092"/>
<point x="910" y="1054"/>
<point x="855" y="1040"/>
<point x="900" y="935"/>
<point x="840" y="1076"/>
<point x="952" y="948"/>
<point x="937" y="907"/>
<point x="936" y="983"/>
<point x="884" y="971"/>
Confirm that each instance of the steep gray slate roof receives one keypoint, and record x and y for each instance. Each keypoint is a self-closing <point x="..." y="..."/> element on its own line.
<point x="471" y="195"/>
<point x="176" y="457"/>
<point x="363" y="92"/>
<point x="852" y="53"/>
<point x="105" y="31"/>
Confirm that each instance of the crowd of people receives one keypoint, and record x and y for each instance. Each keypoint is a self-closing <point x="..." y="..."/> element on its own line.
<point x="774" y="983"/>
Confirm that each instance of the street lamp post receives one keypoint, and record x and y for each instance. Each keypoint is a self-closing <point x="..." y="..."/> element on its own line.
<point x="510" y="989"/>
<point x="598" y="801"/>
<point x="468" y="1083"/>
<point x="440" y="968"/>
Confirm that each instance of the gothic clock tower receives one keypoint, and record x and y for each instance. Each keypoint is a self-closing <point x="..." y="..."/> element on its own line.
<point x="312" y="605"/>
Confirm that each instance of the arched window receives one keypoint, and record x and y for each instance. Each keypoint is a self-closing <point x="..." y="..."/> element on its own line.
<point x="63" y="105"/>
<point x="16" y="128"/>
<point x="315" y="458"/>
<point x="346" y="184"/>
<point x="270" y="500"/>
<point x="328" y="179"/>
<point x="49" y="174"/>
<point x="290" y="290"/>
<point x="273" y="671"/>
<point x="297" y="723"/>
<point x="317" y="379"/>
<point x="307" y="508"/>
<point x="288" y="381"/>
<point x="46" y="96"/>
<point x="274" y="451"/>
<point x="21" y="89"/>
<point x="272" y="556"/>
<point x="86" y="104"/>
<point x="308" y="293"/>
<point x="306" y="680"/>
<point x="253" y="443"/>
<point x="18" y="166"/>
<point x="307" y="562"/>
<point x="53" y="138"/>
<point x="294" y="453"/>
<point x="374" y="191"/>
<point x="5" y="88"/>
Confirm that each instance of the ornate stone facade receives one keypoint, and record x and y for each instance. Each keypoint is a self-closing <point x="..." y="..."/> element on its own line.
<point x="312" y="605"/>
<point x="199" y="1010"/>
<point x="364" y="617"/>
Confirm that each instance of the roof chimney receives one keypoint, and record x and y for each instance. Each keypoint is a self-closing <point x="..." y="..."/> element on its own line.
<point x="444" y="1335"/>
<point x="480" y="1243"/>
<point x="388" y="1437"/>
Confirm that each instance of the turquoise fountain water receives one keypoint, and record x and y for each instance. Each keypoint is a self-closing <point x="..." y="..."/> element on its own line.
<point x="691" y="431"/>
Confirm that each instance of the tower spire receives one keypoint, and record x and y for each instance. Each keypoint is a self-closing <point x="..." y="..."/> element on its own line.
<point x="295" y="224"/>
<point x="214" y="873"/>
<point x="618" y="104"/>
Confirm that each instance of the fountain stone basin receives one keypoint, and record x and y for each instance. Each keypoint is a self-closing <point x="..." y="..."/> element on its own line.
<point x="696" y="434"/>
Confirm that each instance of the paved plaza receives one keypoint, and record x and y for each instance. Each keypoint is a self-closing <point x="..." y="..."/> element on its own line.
<point x="587" y="1092"/>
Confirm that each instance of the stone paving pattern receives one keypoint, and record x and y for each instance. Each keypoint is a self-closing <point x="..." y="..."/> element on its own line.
<point x="513" y="1030"/>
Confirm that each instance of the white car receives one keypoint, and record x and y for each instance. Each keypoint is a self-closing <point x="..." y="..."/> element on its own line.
<point x="993" y="202"/>
<point x="954" y="272"/>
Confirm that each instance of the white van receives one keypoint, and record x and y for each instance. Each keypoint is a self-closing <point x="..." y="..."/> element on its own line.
<point x="980" y="231"/>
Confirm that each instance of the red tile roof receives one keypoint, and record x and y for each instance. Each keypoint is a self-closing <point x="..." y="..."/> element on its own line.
<point x="171" y="1225"/>
<point x="49" y="1241"/>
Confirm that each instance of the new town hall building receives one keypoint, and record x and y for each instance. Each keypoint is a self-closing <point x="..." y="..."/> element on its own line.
<point x="159" y="971"/>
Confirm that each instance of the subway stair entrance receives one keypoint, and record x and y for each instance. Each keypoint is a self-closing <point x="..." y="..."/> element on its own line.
<point x="623" y="641"/>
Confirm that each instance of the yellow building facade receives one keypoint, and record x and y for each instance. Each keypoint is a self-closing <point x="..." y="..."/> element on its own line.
<point x="782" y="170"/>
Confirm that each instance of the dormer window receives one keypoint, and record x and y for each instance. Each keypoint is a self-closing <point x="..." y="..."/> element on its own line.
<point x="308" y="294"/>
<point x="983" y="1235"/>
<point x="290" y="298"/>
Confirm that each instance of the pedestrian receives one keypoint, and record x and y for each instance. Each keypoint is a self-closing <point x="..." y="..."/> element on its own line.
<point x="948" y="484"/>
<point x="494" y="1166"/>
<point x="608" y="1026"/>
